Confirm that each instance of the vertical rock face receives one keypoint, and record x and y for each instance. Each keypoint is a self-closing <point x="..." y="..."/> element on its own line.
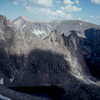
<point x="91" y="47"/>
<point x="4" y="60"/>
<point x="6" y="67"/>
<point x="75" y="56"/>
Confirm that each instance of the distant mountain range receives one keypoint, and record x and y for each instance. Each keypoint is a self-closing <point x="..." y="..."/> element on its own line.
<point x="42" y="29"/>
<point x="65" y="54"/>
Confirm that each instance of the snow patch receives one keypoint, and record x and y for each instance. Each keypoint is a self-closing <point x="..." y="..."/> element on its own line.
<point x="81" y="24"/>
<point x="1" y="81"/>
<point x="38" y="32"/>
<point x="11" y="79"/>
<point x="4" y="98"/>
<point x="23" y="26"/>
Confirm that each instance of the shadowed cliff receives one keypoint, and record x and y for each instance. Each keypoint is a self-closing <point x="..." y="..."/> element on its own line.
<point x="91" y="49"/>
<point x="42" y="68"/>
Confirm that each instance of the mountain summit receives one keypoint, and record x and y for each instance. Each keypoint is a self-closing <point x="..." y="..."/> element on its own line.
<point x="26" y="25"/>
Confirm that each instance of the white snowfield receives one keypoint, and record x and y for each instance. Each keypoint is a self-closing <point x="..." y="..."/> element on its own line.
<point x="38" y="32"/>
<point x="1" y="81"/>
<point x="4" y="98"/>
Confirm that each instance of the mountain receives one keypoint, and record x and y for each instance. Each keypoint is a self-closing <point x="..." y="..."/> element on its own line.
<point x="41" y="29"/>
<point x="54" y="23"/>
<point x="80" y="26"/>
<point x="54" y="59"/>
<point x="49" y="64"/>
<point x="26" y="25"/>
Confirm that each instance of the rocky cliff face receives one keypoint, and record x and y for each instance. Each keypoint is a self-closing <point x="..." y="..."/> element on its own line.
<point x="53" y="59"/>
<point x="91" y="50"/>
<point x="5" y="41"/>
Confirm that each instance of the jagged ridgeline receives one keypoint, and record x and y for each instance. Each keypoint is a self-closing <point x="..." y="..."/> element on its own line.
<point x="62" y="55"/>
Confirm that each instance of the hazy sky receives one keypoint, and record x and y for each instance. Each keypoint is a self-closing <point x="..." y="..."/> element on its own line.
<point x="48" y="10"/>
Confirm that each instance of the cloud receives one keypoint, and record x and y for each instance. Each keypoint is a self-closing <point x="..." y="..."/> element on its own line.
<point x="47" y="3"/>
<point x="15" y="2"/>
<point x="69" y="2"/>
<point x="96" y="1"/>
<point x="77" y="2"/>
<point x="49" y="8"/>
<point x="96" y="17"/>
<point x="58" y="2"/>
<point x="57" y="14"/>
<point x="43" y="3"/>
<point x="71" y="8"/>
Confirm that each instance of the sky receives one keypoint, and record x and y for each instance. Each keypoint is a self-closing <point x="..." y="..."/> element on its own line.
<point x="49" y="10"/>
